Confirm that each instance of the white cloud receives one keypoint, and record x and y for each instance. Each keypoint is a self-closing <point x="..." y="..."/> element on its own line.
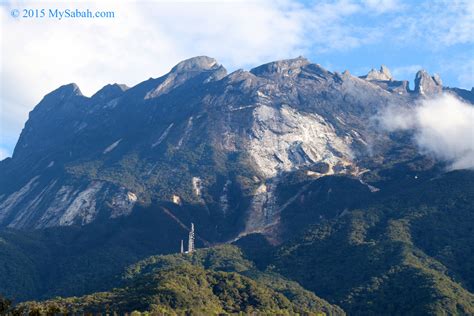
<point x="443" y="127"/>
<point x="457" y="17"/>
<point x="328" y="26"/>
<point x="394" y="118"/>
<point x="439" y="23"/>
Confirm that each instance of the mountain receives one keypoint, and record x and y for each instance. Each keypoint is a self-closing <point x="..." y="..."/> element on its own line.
<point x="194" y="138"/>
<point x="286" y="161"/>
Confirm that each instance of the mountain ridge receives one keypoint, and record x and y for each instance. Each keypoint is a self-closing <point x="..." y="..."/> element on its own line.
<point x="276" y="118"/>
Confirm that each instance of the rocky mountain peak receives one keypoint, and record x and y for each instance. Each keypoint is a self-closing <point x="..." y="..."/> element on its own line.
<point x="58" y="97"/>
<point x="385" y="70"/>
<point x="426" y="84"/>
<point x="66" y="91"/>
<point x="281" y="67"/>
<point x="382" y="74"/>
<point x="202" y="68"/>
<point x="110" y="91"/>
<point x="199" y="63"/>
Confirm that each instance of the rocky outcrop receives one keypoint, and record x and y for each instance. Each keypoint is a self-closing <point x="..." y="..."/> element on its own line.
<point x="383" y="74"/>
<point x="202" y="69"/>
<point x="394" y="86"/>
<point x="287" y="67"/>
<point x="109" y="92"/>
<point x="199" y="63"/>
<point x="426" y="84"/>
<point x="285" y="139"/>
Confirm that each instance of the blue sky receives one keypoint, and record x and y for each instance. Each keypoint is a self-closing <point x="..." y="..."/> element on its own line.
<point x="146" y="38"/>
<point x="434" y="35"/>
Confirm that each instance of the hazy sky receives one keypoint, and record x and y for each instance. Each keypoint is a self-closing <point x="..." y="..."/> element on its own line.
<point x="146" y="38"/>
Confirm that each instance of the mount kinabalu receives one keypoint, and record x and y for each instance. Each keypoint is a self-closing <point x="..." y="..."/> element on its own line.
<point x="215" y="142"/>
<point x="285" y="161"/>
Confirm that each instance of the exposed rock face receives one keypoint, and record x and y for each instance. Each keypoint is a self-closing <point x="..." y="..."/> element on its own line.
<point x="285" y="139"/>
<point x="199" y="63"/>
<point x="394" y="86"/>
<point x="109" y="92"/>
<point x="202" y="68"/>
<point x="383" y="74"/>
<point x="217" y="143"/>
<point x="426" y="84"/>
<point x="289" y="67"/>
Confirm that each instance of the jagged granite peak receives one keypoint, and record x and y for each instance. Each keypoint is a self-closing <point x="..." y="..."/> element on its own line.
<point x="426" y="84"/>
<point x="66" y="91"/>
<point x="281" y="67"/>
<point x="384" y="70"/>
<point x="59" y="97"/>
<point x="383" y="74"/>
<point x="199" y="63"/>
<point x="202" y="68"/>
<point x="110" y="91"/>
<point x="55" y="110"/>
<point x="437" y="79"/>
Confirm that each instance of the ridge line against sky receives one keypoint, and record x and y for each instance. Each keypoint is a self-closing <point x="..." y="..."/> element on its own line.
<point x="147" y="38"/>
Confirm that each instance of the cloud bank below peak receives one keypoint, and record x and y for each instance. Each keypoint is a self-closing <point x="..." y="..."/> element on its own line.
<point x="442" y="127"/>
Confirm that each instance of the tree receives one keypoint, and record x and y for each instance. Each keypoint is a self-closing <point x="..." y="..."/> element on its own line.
<point x="5" y="305"/>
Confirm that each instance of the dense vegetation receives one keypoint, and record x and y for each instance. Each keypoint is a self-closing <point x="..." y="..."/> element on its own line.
<point x="407" y="249"/>
<point x="410" y="252"/>
<point x="74" y="261"/>
<point x="206" y="282"/>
